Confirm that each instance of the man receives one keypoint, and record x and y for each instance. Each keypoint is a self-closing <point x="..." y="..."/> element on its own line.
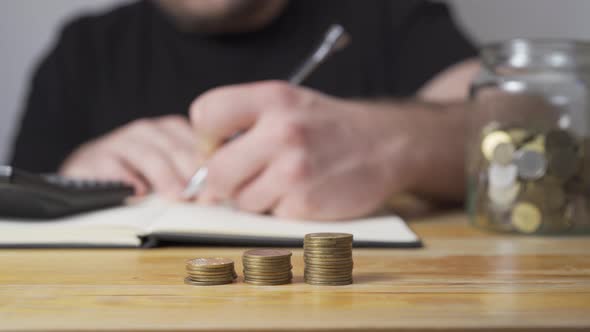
<point x="109" y="102"/>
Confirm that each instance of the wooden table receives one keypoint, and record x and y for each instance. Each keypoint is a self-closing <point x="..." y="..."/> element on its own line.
<point x="464" y="279"/>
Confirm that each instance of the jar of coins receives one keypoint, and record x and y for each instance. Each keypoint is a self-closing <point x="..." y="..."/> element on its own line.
<point x="528" y="153"/>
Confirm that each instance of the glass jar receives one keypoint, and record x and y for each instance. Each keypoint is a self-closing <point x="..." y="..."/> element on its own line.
<point x="528" y="153"/>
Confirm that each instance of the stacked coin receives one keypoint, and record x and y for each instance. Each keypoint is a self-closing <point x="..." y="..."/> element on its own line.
<point x="267" y="267"/>
<point x="532" y="181"/>
<point x="210" y="271"/>
<point x="328" y="259"/>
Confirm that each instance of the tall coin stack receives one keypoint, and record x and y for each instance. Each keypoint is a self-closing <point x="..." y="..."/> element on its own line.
<point x="267" y="267"/>
<point x="210" y="271"/>
<point x="328" y="259"/>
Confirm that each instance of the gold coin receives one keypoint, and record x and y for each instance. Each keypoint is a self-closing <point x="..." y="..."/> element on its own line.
<point x="328" y="237"/>
<point x="503" y="154"/>
<point x="556" y="223"/>
<point x="526" y="217"/>
<point x="329" y="264"/>
<point x="327" y="246"/>
<point x="220" y="280"/>
<point x="266" y="262"/>
<point x="210" y="271"/>
<point x="328" y="277"/>
<point x="197" y="275"/>
<point x="491" y="141"/>
<point x="580" y="212"/>
<point x="328" y="251"/>
<point x="267" y="283"/>
<point x="188" y="281"/>
<point x="328" y="261"/>
<point x="537" y="144"/>
<point x="558" y="139"/>
<point x="267" y="271"/>
<point x="563" y="163"/>
<point x="314" y="268"/>
<point x="210" y="262"/>
<point x="327" y="254"/>
<point x="257" y="278"/>
<point x="548" y="193"/>
<point x="320" y="283"/>
<point x="325" y="275"/>
<point x="520" y="136"/>
<point x="267" y="254"/>
<point x="328" y="243"/>
<point x="269" y="275"/>
<point x="328" y="269"/>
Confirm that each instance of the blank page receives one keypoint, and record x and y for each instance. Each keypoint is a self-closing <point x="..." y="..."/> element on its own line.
<point x="184" y="219"/>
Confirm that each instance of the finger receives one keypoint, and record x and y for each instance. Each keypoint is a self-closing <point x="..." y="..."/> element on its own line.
<point x="152" y="164"/>
<point x="177" y="152"/>
<point x="108" y="168"/>
<point x="179" y="140"/>
<point x="179" y="127"/>
<point x="236" y="163"/>
<point x="334" y="198"/>
<point x="265" y="191"/>
<point x="220" y="113"/>
<point x="124" y="173"/>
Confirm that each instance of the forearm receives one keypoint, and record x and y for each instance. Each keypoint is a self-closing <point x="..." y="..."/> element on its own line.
<point x="438" y="157"/>
<point x="433" y="147"/>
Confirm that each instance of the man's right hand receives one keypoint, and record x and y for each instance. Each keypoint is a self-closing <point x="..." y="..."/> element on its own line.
<point x="157" y="154"/>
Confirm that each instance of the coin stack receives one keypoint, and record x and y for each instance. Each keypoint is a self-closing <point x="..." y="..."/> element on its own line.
<point x="267" y="267"/>
<point x="533" y="181"/>
<point x="210" y="271"/>
<point x="328" y="259"/>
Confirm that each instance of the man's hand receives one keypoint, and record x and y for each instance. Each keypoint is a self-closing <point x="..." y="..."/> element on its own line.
<point x="302" y="154"/>
<point x="156" y="154"/>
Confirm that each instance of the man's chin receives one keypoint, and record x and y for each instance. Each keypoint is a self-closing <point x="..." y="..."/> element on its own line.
<point x="221" y="16"/>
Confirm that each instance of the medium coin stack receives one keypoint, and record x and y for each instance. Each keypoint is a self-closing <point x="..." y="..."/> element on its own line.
<point x="210" y="271"/>
<point x="328" y="259"/>
<point x="532" y="181"/>
<point x="267" y="267"/>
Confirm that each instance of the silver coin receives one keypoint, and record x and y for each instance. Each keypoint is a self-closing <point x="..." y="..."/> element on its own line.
<point x="532" y="165"/>
<point x="500" y="176"/>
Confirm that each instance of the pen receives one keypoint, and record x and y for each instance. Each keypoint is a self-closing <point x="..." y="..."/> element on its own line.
<point x="335" y="39"/>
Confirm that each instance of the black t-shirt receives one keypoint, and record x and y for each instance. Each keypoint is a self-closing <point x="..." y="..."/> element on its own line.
<point x="131" y="63"/>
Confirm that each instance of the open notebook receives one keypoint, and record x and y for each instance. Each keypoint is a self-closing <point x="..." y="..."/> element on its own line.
<point x="153" y="220"/>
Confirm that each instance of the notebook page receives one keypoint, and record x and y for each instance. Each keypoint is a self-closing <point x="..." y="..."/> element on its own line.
<point x="115" y="226"/>
<point x="189" y="219"/>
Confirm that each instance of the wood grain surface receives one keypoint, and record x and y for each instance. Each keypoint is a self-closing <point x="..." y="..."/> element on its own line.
<point x="463" y="280"/>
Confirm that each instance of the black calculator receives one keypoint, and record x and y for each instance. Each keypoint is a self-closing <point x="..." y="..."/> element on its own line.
<point x="48" y="196"/>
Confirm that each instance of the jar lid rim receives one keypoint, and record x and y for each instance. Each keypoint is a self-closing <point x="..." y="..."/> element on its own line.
<point x="530" y="52"/>
<point x="539" y="42"/>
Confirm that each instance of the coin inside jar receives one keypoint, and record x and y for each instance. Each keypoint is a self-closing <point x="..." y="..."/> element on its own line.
<point x="531" y="164"/>
<point x="526" y="217"/>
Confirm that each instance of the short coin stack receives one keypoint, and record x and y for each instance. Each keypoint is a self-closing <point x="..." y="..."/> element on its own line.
<point x="267" y="267"/>
<point x="210" y="271"/>
<point x="328" y="259"/>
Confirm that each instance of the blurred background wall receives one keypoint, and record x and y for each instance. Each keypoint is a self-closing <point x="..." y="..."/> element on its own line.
<point x="27" y="29"/>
